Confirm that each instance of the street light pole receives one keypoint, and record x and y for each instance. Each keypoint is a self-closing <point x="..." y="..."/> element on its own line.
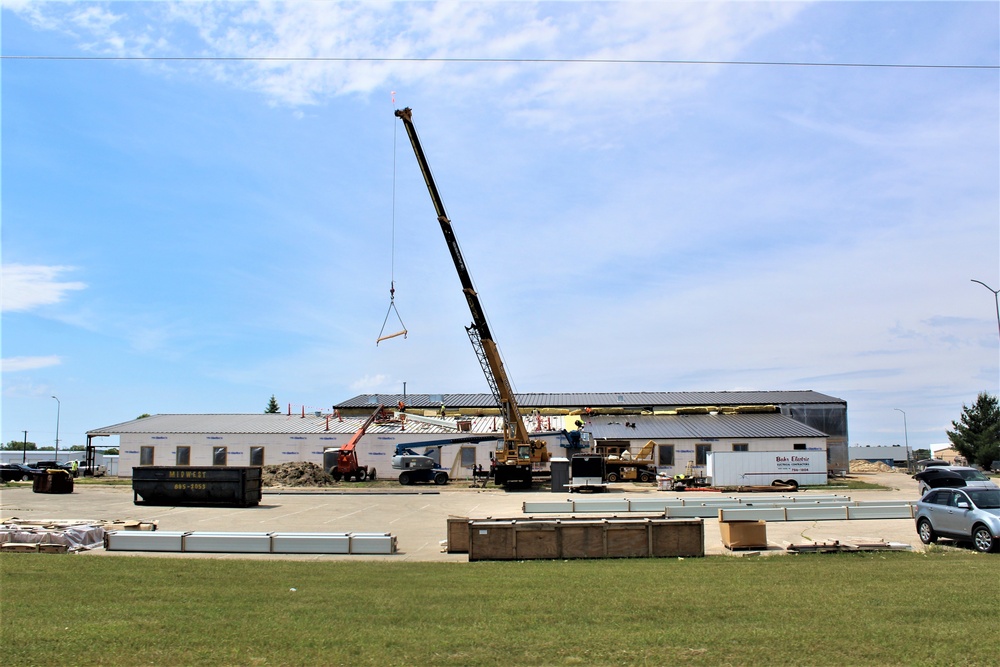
<point x="996" y="300"/>
<point x="58" y="410"/>
<point x="906" y="437"/>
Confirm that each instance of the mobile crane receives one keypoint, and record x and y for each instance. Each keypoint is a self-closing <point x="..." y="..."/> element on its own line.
<point x="342" y="462"/>
<point x="517" y="455"/>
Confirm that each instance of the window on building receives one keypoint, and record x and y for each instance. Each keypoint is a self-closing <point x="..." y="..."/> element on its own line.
<point x="256" y="456"/>
<point x="608" y="448"/>
<point x="183" y="456"/>
<point x="666" y="456"/>
<point x="799" y="445"/>
<point x="146" y="456"/>
<point x="701" y="454"/>
<point x="219" y="456"/>
<point x="468" y="457"/>
<point x="741" y="447"/>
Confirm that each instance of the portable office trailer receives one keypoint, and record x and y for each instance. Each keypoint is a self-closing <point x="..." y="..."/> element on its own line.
<point x="802" y="467"/>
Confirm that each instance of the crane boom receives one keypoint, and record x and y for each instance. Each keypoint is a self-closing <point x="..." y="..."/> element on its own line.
<point x="518" y="451"/>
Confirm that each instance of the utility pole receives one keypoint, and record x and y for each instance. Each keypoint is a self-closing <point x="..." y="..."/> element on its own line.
<point x="58" y="410"/>
<point x="906" y="438"/>
<point x="24" y="449"/>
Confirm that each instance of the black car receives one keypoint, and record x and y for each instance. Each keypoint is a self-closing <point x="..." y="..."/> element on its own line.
<point x="13" y="472"/>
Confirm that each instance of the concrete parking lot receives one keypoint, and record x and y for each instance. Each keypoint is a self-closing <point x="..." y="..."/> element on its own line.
<point x="418" y="516"/>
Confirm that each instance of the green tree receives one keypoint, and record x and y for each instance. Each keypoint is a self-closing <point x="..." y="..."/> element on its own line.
<point x="272" y="406"/>
<point x="19" y="445"/>
<point x="977" y="433"/>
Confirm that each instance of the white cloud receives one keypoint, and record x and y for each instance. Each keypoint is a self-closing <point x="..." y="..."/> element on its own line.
<point x="26" y="287"/>
<point x="14" y="364"/>
<point x="370" y="384"/>
<point x="397" y="35"/>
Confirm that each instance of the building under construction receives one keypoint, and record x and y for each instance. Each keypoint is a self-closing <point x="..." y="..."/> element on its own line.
<point x="684" y="427"/>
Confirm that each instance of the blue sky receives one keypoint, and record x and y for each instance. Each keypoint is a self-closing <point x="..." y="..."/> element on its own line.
<point x="197" y="235"/>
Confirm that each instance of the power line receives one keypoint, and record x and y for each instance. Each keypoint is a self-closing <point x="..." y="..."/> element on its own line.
<point x="586" y="61"/>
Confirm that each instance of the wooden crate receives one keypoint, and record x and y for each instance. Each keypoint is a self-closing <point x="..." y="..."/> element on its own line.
<point x="491" y="540"/>
<point x="529" y="539"/>
<point x="537" y="540"/>
<point x="677" y="539"/>
<point x="583" y="539"/>
<point x="629" y="538"/>
<point x="458" y="535"/>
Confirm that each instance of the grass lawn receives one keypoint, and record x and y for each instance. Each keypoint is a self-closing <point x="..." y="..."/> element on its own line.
<point x="834" y="609"/>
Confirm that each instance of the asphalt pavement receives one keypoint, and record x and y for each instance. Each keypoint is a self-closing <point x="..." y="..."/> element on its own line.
<point x="418" y="516"/>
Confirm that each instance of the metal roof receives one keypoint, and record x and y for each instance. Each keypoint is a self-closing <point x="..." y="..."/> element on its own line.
<point x="768" y="425"/>
<point x="637" y="400"/>
<point x="258" y="424"/>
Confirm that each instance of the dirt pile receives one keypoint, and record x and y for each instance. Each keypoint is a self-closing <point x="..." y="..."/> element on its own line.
<point x="868" y="466"/>
<point x="296" y="473"/>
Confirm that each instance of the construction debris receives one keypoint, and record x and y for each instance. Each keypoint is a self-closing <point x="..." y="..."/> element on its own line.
<point x="870" y="466"/>
<point x="50" y="536"/>
<point x="837" y="547"/>
<point x="296" y="473"/>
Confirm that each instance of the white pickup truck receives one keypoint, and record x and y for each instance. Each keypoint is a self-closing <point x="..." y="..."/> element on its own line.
<point x="91" y="471"/>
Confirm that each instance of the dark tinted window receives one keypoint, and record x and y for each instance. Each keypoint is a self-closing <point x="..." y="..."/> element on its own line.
<point x="666" y="455"/>
<point x="939" y="497"/>
<point x="256" y="456"/>
<point x="701" y="454"/>
<point x="987" y="499"/>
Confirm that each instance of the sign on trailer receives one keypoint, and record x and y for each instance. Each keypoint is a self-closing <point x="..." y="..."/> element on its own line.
<point x="804" y="467"/>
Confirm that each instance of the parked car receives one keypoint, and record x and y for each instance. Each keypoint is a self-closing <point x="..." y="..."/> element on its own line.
<point x="952" y="476"/>
<point x="10" y="473"/>
<point x="969" y="513"/>
<point x="19" y="471"/>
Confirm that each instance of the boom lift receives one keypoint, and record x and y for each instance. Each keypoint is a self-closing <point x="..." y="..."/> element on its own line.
<point x="415" y="468"/>
<point x="517" y="454"/>
<point x="342" y="463"/>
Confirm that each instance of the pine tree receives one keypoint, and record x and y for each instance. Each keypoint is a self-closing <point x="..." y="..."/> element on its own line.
<point x="272" y="406"/>
<point x="977" y="434"/>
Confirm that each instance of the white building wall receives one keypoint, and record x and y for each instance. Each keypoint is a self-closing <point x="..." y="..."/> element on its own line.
<point x="374" y="450"/>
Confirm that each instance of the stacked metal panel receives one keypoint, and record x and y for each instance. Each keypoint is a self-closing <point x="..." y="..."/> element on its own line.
<point x="230" y="542"/>
<point x="766" y="508"/>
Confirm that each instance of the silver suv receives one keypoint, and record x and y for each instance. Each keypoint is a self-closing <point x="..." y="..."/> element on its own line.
<point x="961" y="514"/>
